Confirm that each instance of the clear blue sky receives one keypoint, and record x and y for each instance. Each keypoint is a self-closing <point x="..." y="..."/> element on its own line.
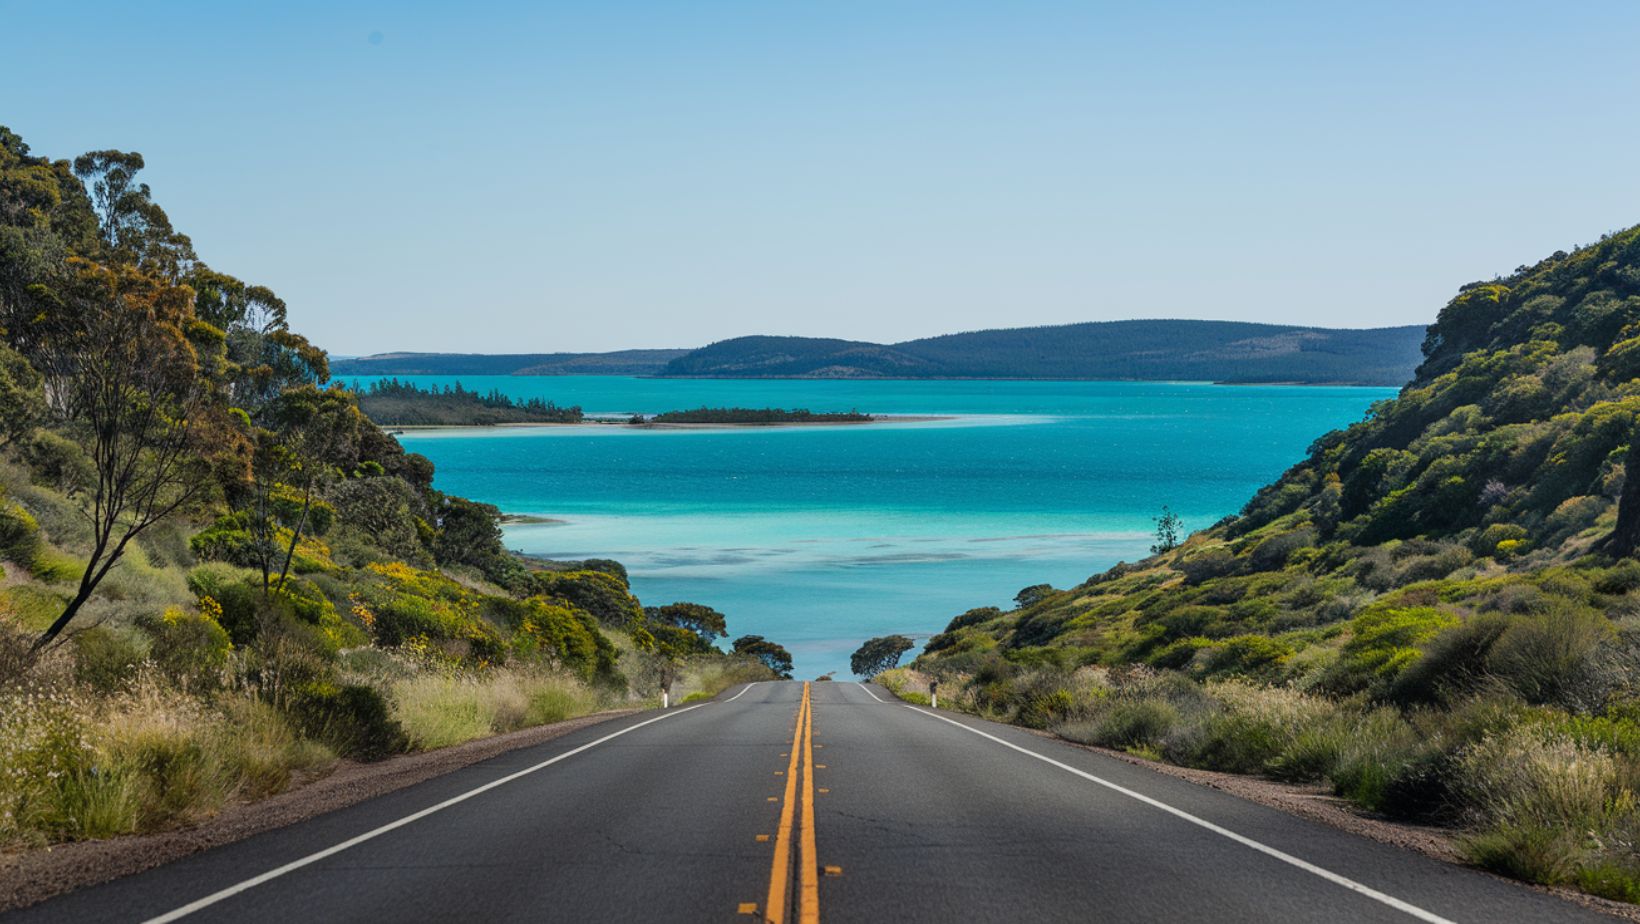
<point x="492" y="176"/>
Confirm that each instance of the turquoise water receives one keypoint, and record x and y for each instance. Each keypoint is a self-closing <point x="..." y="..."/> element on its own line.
<point x="822" y="536"/>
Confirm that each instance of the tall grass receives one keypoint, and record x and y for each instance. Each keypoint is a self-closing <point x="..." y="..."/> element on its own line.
<point x="76" y="766"/>
<point x="438" y="710"/>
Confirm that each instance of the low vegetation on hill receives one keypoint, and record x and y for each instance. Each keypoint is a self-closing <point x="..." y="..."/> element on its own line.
<point x="392" y="403"/>
<point x="1437" y="612"/>
<point x="1216" y="351"/>
<point x="748" y="415"/>
<point x="219" y="574"/>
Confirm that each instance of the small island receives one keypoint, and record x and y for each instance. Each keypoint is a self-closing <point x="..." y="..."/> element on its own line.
<point x="392" y="403"/>
<point x="744" y="416"/>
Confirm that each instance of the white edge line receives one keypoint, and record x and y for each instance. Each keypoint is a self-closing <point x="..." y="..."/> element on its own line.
<point x="871" y="694"/>
<point x="275" y="873"/>
<point x="743" y="691"/>
<point x="1245" y="841"/>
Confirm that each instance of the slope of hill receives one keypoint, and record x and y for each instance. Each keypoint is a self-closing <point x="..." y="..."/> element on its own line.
<point x="1438" y="611"/>
<point x="620" y="362"/>
<point x="1222" y="351"/>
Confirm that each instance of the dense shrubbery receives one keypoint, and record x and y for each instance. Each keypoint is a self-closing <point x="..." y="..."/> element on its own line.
<point x="1440" y="606"/>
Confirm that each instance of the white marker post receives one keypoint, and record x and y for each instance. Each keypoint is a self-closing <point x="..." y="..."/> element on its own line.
<point x="933" y="694"/>
<point x="666" y="699"/>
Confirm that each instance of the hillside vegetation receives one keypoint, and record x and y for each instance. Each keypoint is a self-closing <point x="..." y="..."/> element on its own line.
<point x="219" y="575"/>
<point x="1437" y="611"/>
<point x="1217" y="351"/>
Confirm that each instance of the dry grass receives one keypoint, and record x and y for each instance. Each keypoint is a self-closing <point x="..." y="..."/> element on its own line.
<point x="438" y="710"/>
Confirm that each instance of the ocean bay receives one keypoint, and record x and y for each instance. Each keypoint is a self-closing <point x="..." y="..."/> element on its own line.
<point x="820" y="536"/>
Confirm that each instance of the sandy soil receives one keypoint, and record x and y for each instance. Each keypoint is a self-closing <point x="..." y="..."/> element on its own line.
<point x="32" y="876"/>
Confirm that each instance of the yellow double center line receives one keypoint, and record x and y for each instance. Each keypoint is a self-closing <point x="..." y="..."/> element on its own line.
<point x="808" y="876"/>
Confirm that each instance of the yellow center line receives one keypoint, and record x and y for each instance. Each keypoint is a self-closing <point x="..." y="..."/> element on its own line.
<point x="774" y="909"/>
<point x="808" y="894"/>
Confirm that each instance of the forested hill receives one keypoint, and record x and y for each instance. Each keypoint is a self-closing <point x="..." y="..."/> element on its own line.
<point x="1436" y="610"/>
<point x="1215" y="351"/>
<point x="620" y="362"/>
<point x="1218" y="351"/>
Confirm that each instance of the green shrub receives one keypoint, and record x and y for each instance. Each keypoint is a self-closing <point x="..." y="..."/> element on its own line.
<point x="189" y="647"/>
<point x="1551" y="657"/>
<point x="106" y="660"/>
<point x="1534" y="800"/>
<point x="1384" y="641"/>
<point x="1255" y="656"/>
<point x="93" y="802"/>
<point x="19" y="534"/>
<point x="1135" y="723"/>
<point x="1453" y="662"/>
<point x="58" y="462"/>
<point x="352" y="719"/>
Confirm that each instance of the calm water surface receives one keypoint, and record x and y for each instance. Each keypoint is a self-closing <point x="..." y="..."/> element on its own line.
<point x="822" y="536"/>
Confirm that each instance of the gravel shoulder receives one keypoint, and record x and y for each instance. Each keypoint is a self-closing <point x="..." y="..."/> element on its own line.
<point x="31" y="876"/>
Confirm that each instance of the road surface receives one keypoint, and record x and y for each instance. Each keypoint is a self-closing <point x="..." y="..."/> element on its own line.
<point x="806" y="802"/>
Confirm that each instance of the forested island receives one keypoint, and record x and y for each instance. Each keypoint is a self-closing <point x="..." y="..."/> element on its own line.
<point x="1436" y="614"/>
<point x="220" y="576"/>
<point x="741" y="416"/>
<point x="392" y="403"/>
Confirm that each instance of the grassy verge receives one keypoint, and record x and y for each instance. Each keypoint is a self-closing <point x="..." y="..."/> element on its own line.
<point x="75" y="766"/>
<point x="440" y="710"/>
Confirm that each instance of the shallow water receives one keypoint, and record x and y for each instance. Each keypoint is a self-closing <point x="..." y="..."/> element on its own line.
<point x="821" y="536"/>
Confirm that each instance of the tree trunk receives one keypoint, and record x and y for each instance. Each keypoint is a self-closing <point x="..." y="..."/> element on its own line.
<point x="295" y="536"/>
<point x="63" y="620"/>
<point x="1625" y="537"/>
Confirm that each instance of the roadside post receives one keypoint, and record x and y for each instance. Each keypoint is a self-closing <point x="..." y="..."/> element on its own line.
<point x="933" y="694"/>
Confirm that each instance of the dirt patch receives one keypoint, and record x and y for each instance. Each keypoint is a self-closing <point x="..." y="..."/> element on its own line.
<point x="33" y="876"/>
<point x="1316" y="803"/>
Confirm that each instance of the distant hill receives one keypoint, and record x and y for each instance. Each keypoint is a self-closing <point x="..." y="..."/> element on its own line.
<point x="1214" y="351"/>
<point x="1220" y="351"/>
<point x="621" y="362"/>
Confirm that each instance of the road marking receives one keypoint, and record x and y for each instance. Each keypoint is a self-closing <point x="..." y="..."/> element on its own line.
<point x="1245" y="841"/>
<point x="774" y="910"/>
<point x="747" y="908"/>
<point x="292" y="866"/>
<point x="743" y="691"/>
<point x="808" y="902"/>
<point x="871" y="694"/>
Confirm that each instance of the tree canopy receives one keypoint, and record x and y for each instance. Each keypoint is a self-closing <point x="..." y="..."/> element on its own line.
<point x="879" y="654"/>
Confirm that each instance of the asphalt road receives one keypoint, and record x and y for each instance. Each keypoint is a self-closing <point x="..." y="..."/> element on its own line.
<point x="705" y="812"/>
